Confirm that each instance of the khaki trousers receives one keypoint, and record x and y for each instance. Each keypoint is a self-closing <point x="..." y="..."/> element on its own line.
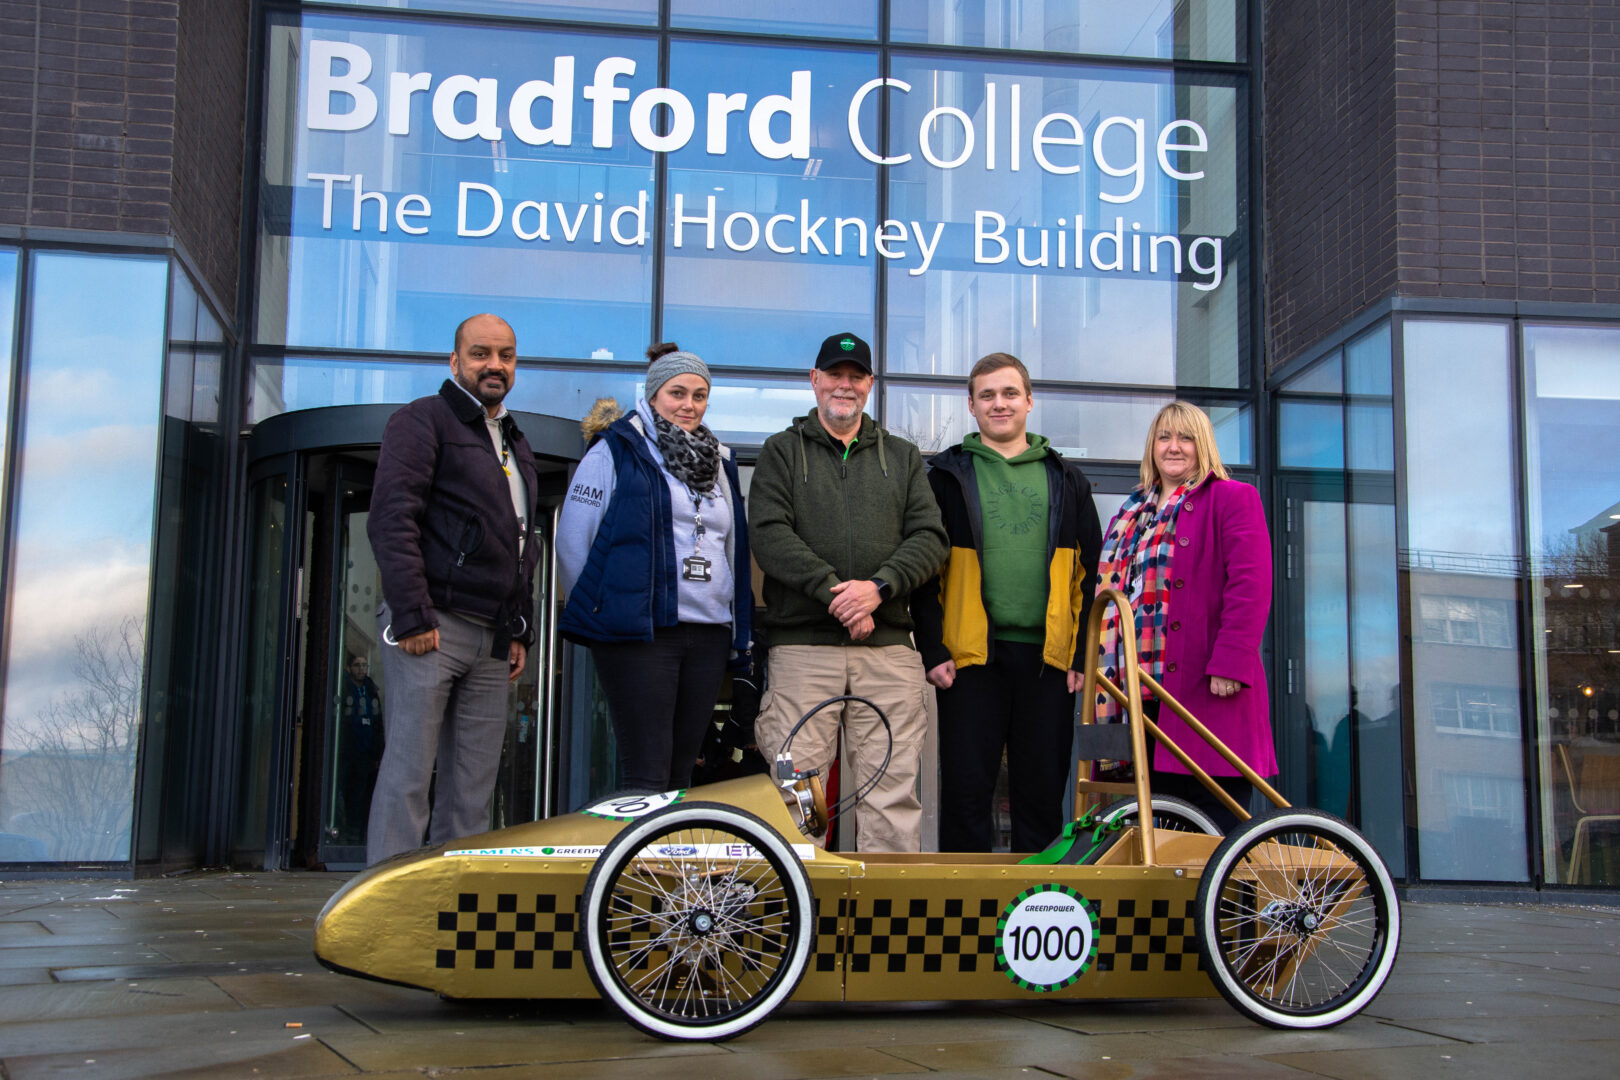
<point x="891" y="676"/>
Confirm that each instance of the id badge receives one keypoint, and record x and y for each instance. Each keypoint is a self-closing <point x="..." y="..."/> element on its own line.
<point x="695" y="568"/>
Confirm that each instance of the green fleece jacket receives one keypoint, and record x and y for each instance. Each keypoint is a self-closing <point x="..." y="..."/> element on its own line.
<point x="818" y="516"/>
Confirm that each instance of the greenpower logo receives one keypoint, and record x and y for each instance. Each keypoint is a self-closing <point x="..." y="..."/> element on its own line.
<point x="848" y="344"/>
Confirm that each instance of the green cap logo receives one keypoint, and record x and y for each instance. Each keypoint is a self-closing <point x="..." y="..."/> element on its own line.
<point x="848" y="344"/>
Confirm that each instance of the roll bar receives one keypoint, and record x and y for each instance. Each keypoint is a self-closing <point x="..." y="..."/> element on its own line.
<point x="1130" y="699"/>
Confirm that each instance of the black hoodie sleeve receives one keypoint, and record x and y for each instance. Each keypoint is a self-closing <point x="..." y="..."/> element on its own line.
<point x="1089" y="542"/>
<point x="927" y="616"/>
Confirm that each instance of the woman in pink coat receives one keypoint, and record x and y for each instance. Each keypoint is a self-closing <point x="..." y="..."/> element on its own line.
<point x="1191" y="550"/>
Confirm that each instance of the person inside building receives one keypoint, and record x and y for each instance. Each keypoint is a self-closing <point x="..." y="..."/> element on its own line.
<point x="1190" y="548"/>
<point x="845" y="527"/>
<point x="656" y="490"/>
<point x="360" y="741"/>
<point x="452" y="527"/>
<point x="1001" y="630"/>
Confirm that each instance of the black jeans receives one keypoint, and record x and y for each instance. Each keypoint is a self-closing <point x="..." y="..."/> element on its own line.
<point x="1019" y="702"/>
<point x="660" y="698"/>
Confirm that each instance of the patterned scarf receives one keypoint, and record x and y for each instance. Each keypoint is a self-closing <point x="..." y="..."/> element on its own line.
<point x="692" y="457"/>
<point x="1136" y="560"/>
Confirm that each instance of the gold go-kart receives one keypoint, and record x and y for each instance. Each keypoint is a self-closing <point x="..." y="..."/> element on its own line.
<point x="698" y="912"/>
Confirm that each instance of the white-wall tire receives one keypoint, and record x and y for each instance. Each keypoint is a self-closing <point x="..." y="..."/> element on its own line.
<point x="688" y="940"/>
<point x="1298" y="921"/>
<point x="1169" y="812"/>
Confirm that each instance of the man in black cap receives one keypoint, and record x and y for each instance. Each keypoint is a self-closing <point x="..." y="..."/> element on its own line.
<point x="844" y="526"/>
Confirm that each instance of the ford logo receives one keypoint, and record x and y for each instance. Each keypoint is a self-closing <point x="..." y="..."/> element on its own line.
<point x="677" y="850"/>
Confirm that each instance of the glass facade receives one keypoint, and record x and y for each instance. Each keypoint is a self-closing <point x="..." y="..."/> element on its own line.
<point x="80" y="553"/>
<point x="1069" y="182"/>
<point x="1572" y="412"/>
<point x="740" y="184"/>
<point x="1337" y="687"/>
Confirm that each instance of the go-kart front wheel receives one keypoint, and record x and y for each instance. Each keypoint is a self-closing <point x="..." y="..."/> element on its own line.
<point x="697" y="922"/>
<point x="1298" y="922"/>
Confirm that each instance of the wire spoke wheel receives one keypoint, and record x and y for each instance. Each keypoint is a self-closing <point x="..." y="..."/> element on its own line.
<point x="1298" y="922"/>
<point x="1169" y="812"/>
<point x="696" y="922"/>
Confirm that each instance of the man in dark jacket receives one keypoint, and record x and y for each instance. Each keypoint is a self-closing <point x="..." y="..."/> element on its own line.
<point x="1002" y="628"/>
<point x="844" y="527"/>
<point x="452" y="527"/>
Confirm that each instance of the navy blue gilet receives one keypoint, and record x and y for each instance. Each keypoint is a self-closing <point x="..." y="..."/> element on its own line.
<point x="630" y="582"/>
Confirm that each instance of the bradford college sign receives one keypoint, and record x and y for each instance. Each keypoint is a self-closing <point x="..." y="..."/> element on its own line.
<point x="345" y="92"/>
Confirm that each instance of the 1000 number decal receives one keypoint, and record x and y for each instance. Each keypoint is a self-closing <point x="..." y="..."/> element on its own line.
<point x="1046" y="938"/>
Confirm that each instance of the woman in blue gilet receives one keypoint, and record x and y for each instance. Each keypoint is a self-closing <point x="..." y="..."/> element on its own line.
<point x="652" y="555"/>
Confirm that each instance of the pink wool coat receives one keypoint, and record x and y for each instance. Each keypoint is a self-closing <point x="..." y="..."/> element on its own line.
<point x="1220" y="581"/>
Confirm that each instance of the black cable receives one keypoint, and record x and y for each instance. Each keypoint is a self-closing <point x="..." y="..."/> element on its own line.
<point x="844" y="805"/>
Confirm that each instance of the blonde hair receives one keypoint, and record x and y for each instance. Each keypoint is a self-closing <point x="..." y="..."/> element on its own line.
<point x="1184" y="418"/>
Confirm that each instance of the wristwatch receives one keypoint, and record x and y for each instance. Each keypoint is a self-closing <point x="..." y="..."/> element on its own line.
<point x="885" y="590"/>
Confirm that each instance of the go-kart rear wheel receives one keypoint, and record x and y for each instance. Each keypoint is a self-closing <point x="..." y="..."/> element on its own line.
<point x="697" y="922"/>
<point x="1169" y="812"/>
<point x="1298" y="922"/>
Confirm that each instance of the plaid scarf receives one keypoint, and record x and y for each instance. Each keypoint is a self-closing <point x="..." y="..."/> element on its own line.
<point x="1136" y="560"/>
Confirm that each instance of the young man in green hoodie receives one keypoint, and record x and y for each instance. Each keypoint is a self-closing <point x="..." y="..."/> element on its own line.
<point x="1002" y="626"/>
<point x="844" y="527"/>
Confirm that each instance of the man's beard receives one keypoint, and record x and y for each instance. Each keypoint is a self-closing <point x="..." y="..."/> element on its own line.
<point x="476" y="389"/>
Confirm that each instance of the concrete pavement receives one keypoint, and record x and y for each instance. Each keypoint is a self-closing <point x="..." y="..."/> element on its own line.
<point x="211" y="975"/>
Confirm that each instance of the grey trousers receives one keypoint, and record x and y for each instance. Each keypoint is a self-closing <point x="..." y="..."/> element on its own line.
<point x="447" y="705"/>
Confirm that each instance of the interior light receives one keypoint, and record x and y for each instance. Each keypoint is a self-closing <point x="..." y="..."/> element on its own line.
<point x="1575" y="585"/>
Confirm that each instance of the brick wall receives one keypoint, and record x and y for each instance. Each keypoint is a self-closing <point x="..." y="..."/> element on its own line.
<point x="1506" y="114"/>
<point x="210" y="109"/>
<point x="101" y="128"/>
<point x="1485" y="131"/>
<point x="1330" y="221"/>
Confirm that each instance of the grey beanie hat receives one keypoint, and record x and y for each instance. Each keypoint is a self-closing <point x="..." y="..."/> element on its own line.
<point x="671" y="364"/>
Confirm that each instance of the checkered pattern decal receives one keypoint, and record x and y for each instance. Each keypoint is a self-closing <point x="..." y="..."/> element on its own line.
<point x="937" y="935"/>
<point x="543" y="931"/>
<point x="1134" y="935"/>
<point x="500" y="932"/>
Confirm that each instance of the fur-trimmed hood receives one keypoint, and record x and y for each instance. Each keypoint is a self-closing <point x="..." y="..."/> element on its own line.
<point x="602" y="414"/>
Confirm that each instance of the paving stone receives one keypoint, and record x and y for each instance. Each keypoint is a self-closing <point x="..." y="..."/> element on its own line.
<point x="24" y="976"/>
<point x="22" y="932"/>
<point x="1521" y="981"/>
<point x="1473" y="1003"/>
<point x="53" y="956"/>
<point x="1582" y="1059"/>
<point x="1104" y="1017"/>
<point x="299" y="961"/>
<point x="1515" y="1029"/>
<point x="229" y="1060"/>
<point x="885" y="1026"/>
<point x="60" y="1001"/>
<point x="1359" y="1033"/>
<point x="154" y="1032"/>
<point x="320" y="987"/>
<point x="476" y="1046"/>
<point x="1203" y="1067"/>
<point x="1039" y="1048"/>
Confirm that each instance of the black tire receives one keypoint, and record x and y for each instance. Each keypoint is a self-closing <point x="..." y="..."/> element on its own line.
<point x="693" y="943"/>
<point x="1298" y="922"/>
<point x="1169" y="812"/>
